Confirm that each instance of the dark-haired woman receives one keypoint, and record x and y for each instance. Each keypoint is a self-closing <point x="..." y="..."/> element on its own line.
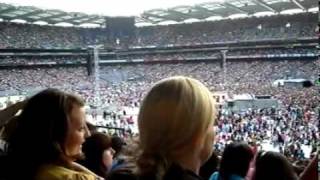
<point x="48" y="139"/>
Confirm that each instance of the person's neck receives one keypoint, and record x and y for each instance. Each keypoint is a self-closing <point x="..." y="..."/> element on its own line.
<point x="64" y="161"/>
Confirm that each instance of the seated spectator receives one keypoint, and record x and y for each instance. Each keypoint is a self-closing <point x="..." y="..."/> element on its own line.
<point x="273" y="165"/>
<point x="48" y="138"/>
<point x="9" y="112"/>
<point x="118" y="145"/>
<point x="176" y="131"/>
<point x="235" y="162"/>
<point x="310" y="172"/>
<point x="98" y="153"/>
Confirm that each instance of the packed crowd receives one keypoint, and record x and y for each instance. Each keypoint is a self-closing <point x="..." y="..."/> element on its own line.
<point x="52" y="122"/>
<point x="49" y="37"/>
<point x="125" y="83"/>
<point x="33" y="60"/>
<point x="14" y="35"/>
<point x="292" y="129"/>
<point x="252" y="29"/>
<point x="124" y="86"/>
<point x="275" y="51"/>
<point x="205" y="55"/>
<point x="164" y="56"/>
<point x="61" y="144"/>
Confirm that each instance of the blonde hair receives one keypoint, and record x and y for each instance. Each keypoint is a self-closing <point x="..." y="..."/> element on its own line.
<point x="174" y="112"/>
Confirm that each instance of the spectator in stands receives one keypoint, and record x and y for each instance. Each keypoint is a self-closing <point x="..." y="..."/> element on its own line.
<point x="311" y="171"/>
<point x="47" y="141"/>
<point x="98" y="153"/>
<point x="118" y="145"/>
<point x="14" y="35"/>
<point x="235" y="162"/>
<point x="176" y="131"/>
<point x="7" y="125"/>
<point x="273" y="165"/>
<point x="92" y="128"/>
<point x="8" y="113"/>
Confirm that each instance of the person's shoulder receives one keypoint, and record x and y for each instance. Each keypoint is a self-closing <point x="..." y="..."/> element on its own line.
<point x="174" y="172"/>
<point x="236" y="177"/>
<point x="53" y="172"/>
<point x="177" y="172"/>
<point x="123" y="174"/>
<point x="214" y="176"/>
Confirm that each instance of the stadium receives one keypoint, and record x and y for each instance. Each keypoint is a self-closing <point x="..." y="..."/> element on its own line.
<point x="260" y="62"/>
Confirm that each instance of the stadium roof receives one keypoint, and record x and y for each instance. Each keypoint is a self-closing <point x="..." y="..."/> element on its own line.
<point x="224" y="9"/>
<point x="203" y="11"/>
<point x="33" y="14"/>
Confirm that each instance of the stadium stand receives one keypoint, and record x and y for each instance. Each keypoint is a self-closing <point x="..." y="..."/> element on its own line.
<point x="237" y="56"/>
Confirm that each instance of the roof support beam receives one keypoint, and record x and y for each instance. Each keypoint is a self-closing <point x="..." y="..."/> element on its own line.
<point x="147" y="15"/>
<point x="179" y="14"/>
<point x="29" y="14"/>
<point x="77" y="18"/>
<point x="234" y="8"/>
<point x="209" y="12"/>
<point x="265" y="5"/>
<point x="7" y="10"/>
<point x="49" y="18"/>
<point x="89" y="20"/>
<point x="299" y="5"/>
<point x="144" y="20"/>
<point x="199" y="15"/>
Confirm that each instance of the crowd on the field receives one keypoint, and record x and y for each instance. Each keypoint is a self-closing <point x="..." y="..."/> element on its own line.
<point x="292" y="129"/>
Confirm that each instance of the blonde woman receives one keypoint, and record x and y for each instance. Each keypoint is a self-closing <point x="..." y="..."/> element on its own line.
<point x="176" y="131"/>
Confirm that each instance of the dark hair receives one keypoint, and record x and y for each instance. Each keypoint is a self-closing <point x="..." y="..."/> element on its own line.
<point x="235" y="160"/>
<point x="93" y="149"/>
<point x="41" y="130"/>
<point x="209" y="167"/>
<point x="117" y="144"/>
<point x="273" y="165"/>
<point x="92" y="128"/>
